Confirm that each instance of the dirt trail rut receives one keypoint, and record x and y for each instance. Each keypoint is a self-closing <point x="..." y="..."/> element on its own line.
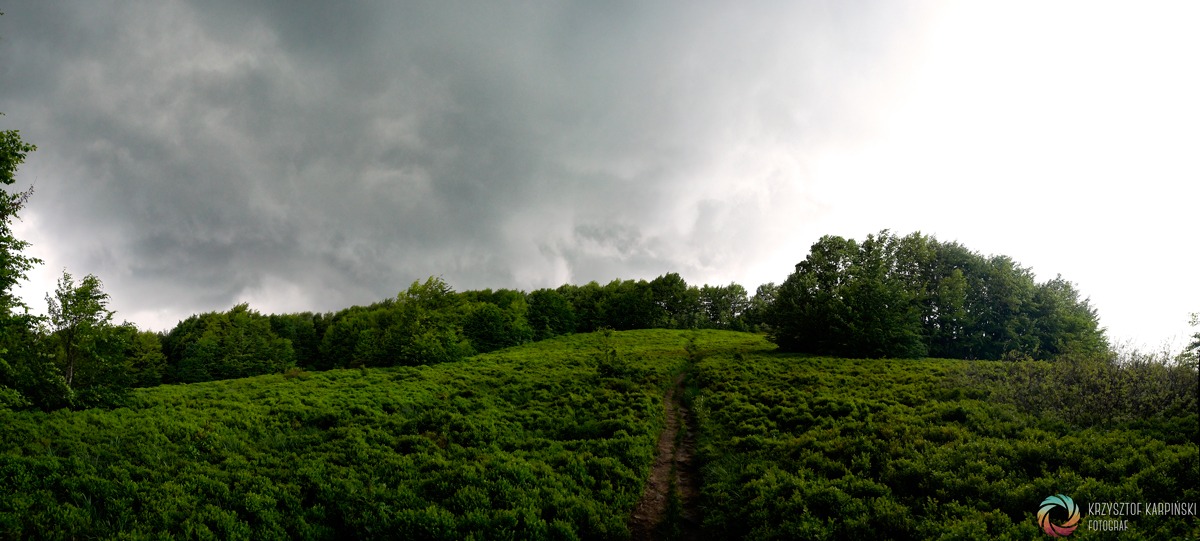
<point x="667" y="509"/>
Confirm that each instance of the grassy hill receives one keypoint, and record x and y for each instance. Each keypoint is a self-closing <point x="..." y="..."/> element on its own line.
<point x="821" y="448"/>
<point x="554" y="440"/>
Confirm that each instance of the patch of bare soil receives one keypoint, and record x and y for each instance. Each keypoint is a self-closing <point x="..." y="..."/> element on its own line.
<point x="667" y="509"/>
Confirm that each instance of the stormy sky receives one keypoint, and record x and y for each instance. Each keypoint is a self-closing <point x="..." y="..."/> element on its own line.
<point x="314" y="155"/>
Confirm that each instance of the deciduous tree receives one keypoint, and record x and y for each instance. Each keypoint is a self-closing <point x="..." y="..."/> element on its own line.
<point x="490" y="327"/>
<point x="677" y="304"/>
<point x="233" y="344"/>
<point x="17" y="337"/>
<point x="91" y="352"/>
<point x="550" y="314"/>
<point x="913" y="296"/>
<point x="13" y="263"/>
<point x="79" y="317"/>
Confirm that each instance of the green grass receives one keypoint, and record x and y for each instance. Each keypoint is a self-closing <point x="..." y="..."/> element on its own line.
<point x="554" y="440"/>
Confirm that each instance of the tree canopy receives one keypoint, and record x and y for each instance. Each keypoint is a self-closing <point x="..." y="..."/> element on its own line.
<point x="26" y="376"/>
<point x="221" y="345"/>
<point x="13" y="263"/>
<point x="914" y="296"/>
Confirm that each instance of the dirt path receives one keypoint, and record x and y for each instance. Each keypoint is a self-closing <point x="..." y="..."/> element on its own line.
<point x="667" y="509"/>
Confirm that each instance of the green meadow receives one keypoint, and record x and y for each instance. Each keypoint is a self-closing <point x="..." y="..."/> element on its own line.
<point x="555" y="440"/>
<point x="546" y="441"/>
<point x="798" y="447"/>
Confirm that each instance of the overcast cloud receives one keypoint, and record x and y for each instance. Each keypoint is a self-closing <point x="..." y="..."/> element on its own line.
<point x="314" y="155"/>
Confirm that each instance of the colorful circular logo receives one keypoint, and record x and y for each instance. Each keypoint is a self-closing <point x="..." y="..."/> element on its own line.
<point x="1065" y="503"/>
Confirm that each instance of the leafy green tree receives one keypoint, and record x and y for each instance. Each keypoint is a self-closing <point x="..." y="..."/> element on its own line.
<point x="233" y="344"/>
<point x="29" y="374"/>
<point x="428" y="326"/>
<point x="434" y="296"/>
<point x="339" y="345"/>
<point x="1192" y="351"/>
<point x="677" y="304"/>
<point x="882" y="317"/>
<point x="506" y="299"/>
<point x="946" y="321"/>
<point x="13" y="263"/>
<point x="26" y="376"/>
<point x="550" y="314"/>
<point x="489" y="328"/>
<point x="301" y="330"/>
<point x="1000" y="300"/>
<point x="1063" y="323"/>
<point x="10" y="398"/>
<point x="913" y="296"/>
<point x="758" y="311"/>
<point x="513" y="321"/>
<point x="810" y="312"/>
<point x="146" y="361"/>
<point x="587" y="303"/>
<point x="422" y="325"/>
<point x="89" y="350"/>
<point x="78" y="314"/>
<point x="81" y="358"/>
<point x="629" y="304"/>
<point x="21" y="372"/>
<point x="724" y="306"/>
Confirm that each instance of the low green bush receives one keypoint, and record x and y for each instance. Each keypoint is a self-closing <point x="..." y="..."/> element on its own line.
<point x="537" y="442"/>
<point x="797" y="447"/>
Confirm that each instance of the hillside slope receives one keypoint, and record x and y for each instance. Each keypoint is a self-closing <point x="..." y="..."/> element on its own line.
<point x="799" y="447"/>
<point x="552" y="440"/>
<point x="555" y="440"/>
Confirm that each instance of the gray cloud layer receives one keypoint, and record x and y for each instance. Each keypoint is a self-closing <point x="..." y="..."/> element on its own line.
<point x="193" y="154"/>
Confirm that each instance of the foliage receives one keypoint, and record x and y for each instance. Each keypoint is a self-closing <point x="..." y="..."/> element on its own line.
<point x="430" y="323"/>
<point x="665" y="302"/>
<point x="489" y="327"/>
<point x="147" y="362"/>
<point x="422" y="325"/>
<point x="1192" y="351"/>
<point x="914" y="296"/>
<point x="677" y="304"/>
<point x="550" y="314"/>
<point x="87" y="350"/>
<point x="849" y="299"/>
<point x="302" y="331"/>
<point x="757" y="313"/>
<point x="28" y="376"/>
<point x="13" y="264"/>
<point x="629" y="304"/>
<point x="798" y="447"/>
<point x="724" y="306"/>
<point x="529" y="443"/>
<point x="555" y="439"/>
<point x="506" y="299"/>
<point x="586" y="301"/>
<point x="79" y="360"/>
<point x="1087" y="390"/>
<point x="20" y="362"/>
<point x="233" y="344"/>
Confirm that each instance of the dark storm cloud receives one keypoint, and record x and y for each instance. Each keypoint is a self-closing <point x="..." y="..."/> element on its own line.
<point x="196" y="153"/>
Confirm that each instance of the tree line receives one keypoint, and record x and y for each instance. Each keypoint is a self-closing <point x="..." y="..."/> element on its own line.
<point x="429" y="322"/>
<point x="886" y="296"/>
<point x="915" y="296"/>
